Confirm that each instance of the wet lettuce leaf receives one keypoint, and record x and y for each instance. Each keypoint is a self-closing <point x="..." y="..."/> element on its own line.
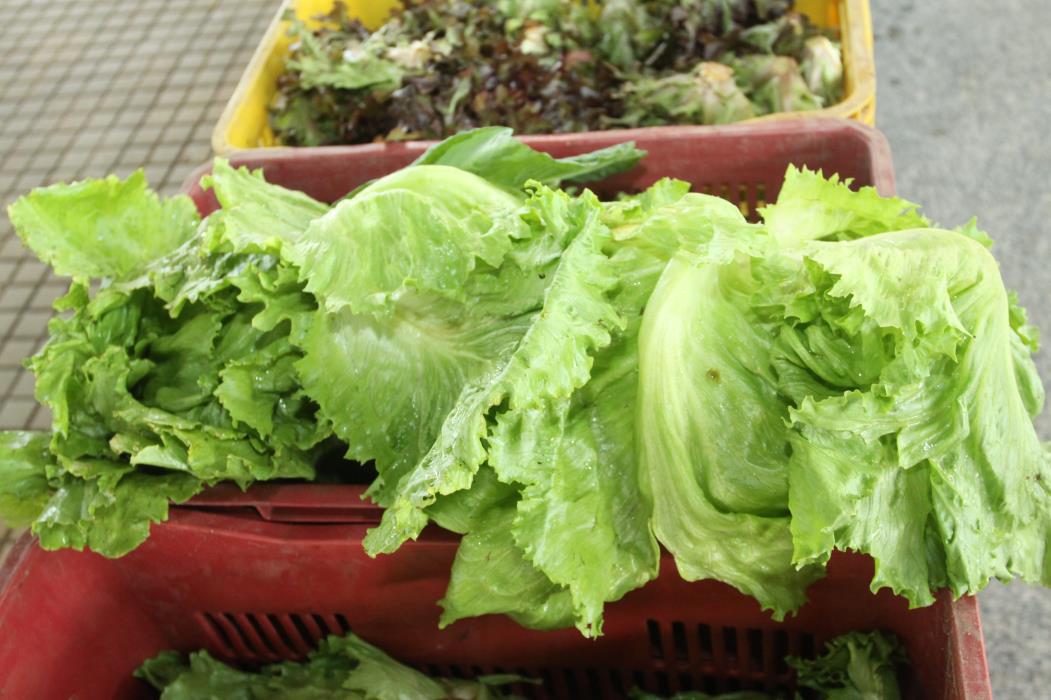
<point x="151" y="402"/>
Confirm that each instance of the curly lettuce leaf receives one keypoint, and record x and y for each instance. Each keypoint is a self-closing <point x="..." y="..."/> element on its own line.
<point x="102" y="228"/>
<point x="418" y="364"/>
<point x="853" y="665"/>
<point x="581" y="518"/>
<point x="811" y="206"/>
<point x="140" y="415"/>
<point x="551" y="360"/>
<point x="25" y="458"/>
<point x="577" y="516"/>
<point x="943" y="438"/>
<point x="124" y="380"/>
<point x="97" y="503"/>
<point x="361" y="66"/>
<point x="878" y="387"/>
<point x="425" y="347"/>
<point x="257" y="216"/>
<point x="177" y="372"/>
<point x="713" y="456"/>
<point x="111" y="513"/>
<point x="491" y="574"/>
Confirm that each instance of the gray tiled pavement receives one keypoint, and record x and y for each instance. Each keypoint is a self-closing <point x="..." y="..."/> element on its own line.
<point x="88" y="88"/>
<point x="965" y="99"/>
<point x="91" y="88"/>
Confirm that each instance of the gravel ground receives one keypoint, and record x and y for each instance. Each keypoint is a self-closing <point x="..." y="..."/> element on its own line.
<point x="964" y="94"/>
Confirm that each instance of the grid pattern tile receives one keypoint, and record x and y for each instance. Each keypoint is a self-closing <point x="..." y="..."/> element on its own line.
<point x="93" y="88"/>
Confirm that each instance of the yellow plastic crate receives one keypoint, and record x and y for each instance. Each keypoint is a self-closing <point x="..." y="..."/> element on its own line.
<point x="245" y="123"/>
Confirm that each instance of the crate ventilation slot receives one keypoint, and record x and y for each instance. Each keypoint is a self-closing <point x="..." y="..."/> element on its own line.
<point x="684" y="656"/>
<point x="717" y="659"/>
<point x="268" y="637"/>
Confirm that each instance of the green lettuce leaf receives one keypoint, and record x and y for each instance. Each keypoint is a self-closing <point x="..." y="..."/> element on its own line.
<point x="813" y="207"/>
<point x="423" y="228"/>
<point x="714" y="458"/>
<point x="857" y="420"/>
<point x="362" y="65"/>
<point x="257" y="216"/>
<point x="562" y="381"/>
<point x="491" y="574"/>
<point x="854" y="665"/>
<point x="111" y="510"/>
<point x="943" y="438"/>
<point x="24" y="490"/>
<point x="102" y="228"/>
<point x="550" y="360"/>
<point x="179" y="371"/>
<point x="494" y="154"/>
<point x="345" y="667"/>
<point x="427" y="339"/>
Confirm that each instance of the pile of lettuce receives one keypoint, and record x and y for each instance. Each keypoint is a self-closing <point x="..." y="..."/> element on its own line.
<point x="857" y="664"/>
<point x="567" y="382"/>
<point x="436" y="67"/>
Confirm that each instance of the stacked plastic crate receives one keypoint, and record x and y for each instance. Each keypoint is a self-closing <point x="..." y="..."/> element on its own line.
<point x="262" y="576"/>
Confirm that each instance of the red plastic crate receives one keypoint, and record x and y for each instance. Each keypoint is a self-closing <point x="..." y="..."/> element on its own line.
<point x="260" y="576"/>
<point x="252" y="591"/>
<point x="743" y="163"/>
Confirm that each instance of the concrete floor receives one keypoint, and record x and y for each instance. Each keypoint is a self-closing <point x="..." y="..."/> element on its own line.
<point x="965" y="99"/>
